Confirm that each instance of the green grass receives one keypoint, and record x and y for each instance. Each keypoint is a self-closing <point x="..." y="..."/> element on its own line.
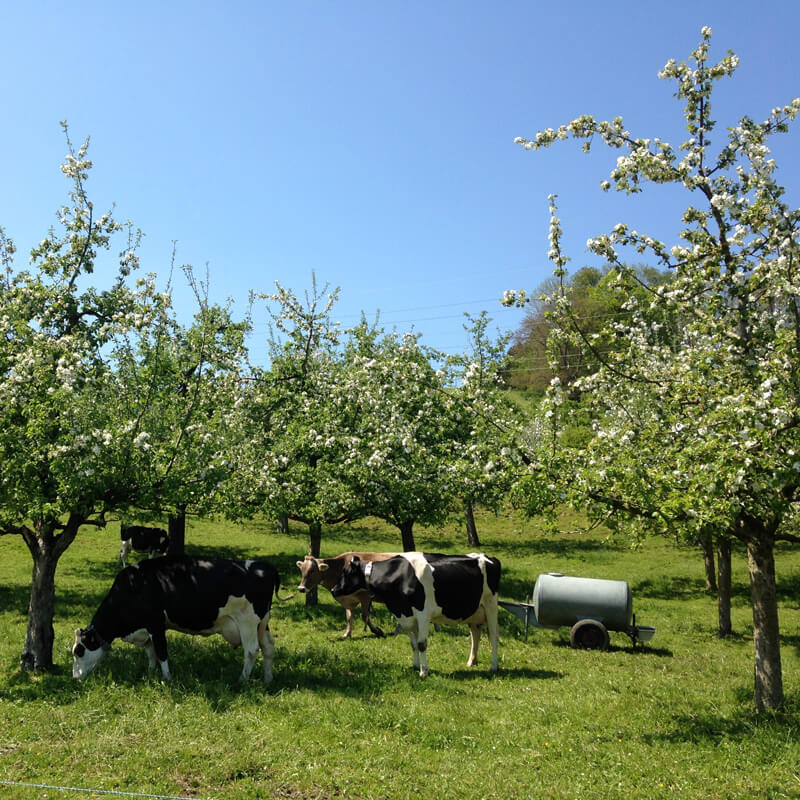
<point x="351" y="719"/>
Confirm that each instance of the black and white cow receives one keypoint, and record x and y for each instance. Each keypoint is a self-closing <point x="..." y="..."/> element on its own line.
<point x="425" y="588"/>
<point x="153" y="541"/>
<point x="191" y="595"/>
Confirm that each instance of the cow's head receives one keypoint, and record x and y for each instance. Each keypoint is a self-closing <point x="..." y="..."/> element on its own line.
<point x="87" y="652"/>
<point x="311" y="570"/>
<point x="352" y="579"/>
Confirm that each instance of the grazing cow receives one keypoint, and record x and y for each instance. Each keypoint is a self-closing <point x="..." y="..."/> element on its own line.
<point x="424" y="588"/>
<point x="327" y="571"/>
<point x="153" y="541"/>
<point x="191" y="595"/>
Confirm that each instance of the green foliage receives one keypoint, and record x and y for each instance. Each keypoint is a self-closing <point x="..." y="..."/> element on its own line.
<point x="696" y="420"/>
<point x="696" y="417"/>
<point x="598" y="302"/>
<point x="352" y="719"/>
<point x="348" y="424"/>
<point x="289" y="435"/>
<point x="106" y="403"/>
<point x="406" y="425"/>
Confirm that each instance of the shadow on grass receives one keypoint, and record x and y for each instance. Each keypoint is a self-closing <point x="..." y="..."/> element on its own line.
<point x="521" y="673"/>
<point x="15" y="598"/>
<point x="55" y="686"/>
<point x="562" y="547"/>
<point x="71" y="603"/>
<point x="639" y="651"/>
<point x="211" y="672"/>
<point x="788" y="589"/>
<point x="714" y="728"/>
<point x="673" y="587"/>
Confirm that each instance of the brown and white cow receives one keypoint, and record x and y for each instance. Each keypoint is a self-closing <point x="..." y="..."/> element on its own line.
<point x="327" y="571"/>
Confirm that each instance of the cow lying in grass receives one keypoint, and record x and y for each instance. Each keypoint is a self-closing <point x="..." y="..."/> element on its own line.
<point x="192" y="595"/>
<point x="327" y="572"/>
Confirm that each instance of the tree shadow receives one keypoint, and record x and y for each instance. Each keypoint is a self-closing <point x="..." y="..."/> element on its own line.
<point x="712" y="728"/>
<point x="211" y="671"/>
<point x="514" y="673"/>
<point x="788" y="589"/>
<point x="518" y="590"/>
<point x="562" y="547"/>
<point x="790" y="640"/>
<point x="669" y="587"/>
<point x="15" y="598"/>
<point x="216" y="676"/>
<point x="55" y="686"/>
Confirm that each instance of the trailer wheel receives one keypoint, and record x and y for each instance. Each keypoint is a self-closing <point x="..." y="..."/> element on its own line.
<point x="589" y="634"/>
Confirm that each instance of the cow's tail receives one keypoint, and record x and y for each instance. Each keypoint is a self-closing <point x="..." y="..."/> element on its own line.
<point x="278" y="587"/>
<point x="283" y="599"/>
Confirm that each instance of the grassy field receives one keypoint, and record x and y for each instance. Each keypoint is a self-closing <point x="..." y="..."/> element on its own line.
<point x="351" y="719"/>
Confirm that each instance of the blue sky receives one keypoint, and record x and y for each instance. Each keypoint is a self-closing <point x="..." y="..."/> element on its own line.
<point x="370" y="143"/>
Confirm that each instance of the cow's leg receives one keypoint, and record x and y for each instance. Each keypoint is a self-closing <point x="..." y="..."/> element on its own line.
<point x="475" y="635"/>
<point x="494" y="629"/>
<point x="366" y="607"/>
<point x="152" y="661"/>
<point x="267" y="644"/>
<point x="158" y="639"/>
<point x="412" y="637"/>
<point x="124" y="550"/>
<point x="348" y="631"/>
<point x="250" y="643"/>
<point x="423" y="628"/>
<point x="409" y="625"/>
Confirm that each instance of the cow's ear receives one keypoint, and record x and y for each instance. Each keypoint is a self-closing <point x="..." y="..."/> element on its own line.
<point x="322" y="567"/>
<point x="300" y="564"/>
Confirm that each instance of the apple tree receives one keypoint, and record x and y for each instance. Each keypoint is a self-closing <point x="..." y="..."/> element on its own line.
<point x="484" y="459"/>
<point x="93" y="419"/>
<point x="699" y="431"/>
<point x="290" y="430"/>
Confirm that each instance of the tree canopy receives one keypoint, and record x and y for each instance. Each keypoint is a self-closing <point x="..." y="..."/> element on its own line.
<point x="596" y="300"/>
<point x="696" y="423"/>
<point x="106" y="402"/>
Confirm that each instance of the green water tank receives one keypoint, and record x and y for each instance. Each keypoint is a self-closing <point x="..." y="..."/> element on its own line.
<point x="563" y="600"/>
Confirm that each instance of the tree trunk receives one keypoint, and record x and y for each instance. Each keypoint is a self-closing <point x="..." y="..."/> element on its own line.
<point x="176" y="527"/>
<point x="38" y="651"/>
<point x="314" y="545"/>
<point x="407" y="535"/>
<point x="724" y="590"/>
<point x="283" y="525"/>
<point x="766" y="638"/>
<point x="46" y="548"/>
<point x="707" y="545"/>
<point x="472" y="531"/>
